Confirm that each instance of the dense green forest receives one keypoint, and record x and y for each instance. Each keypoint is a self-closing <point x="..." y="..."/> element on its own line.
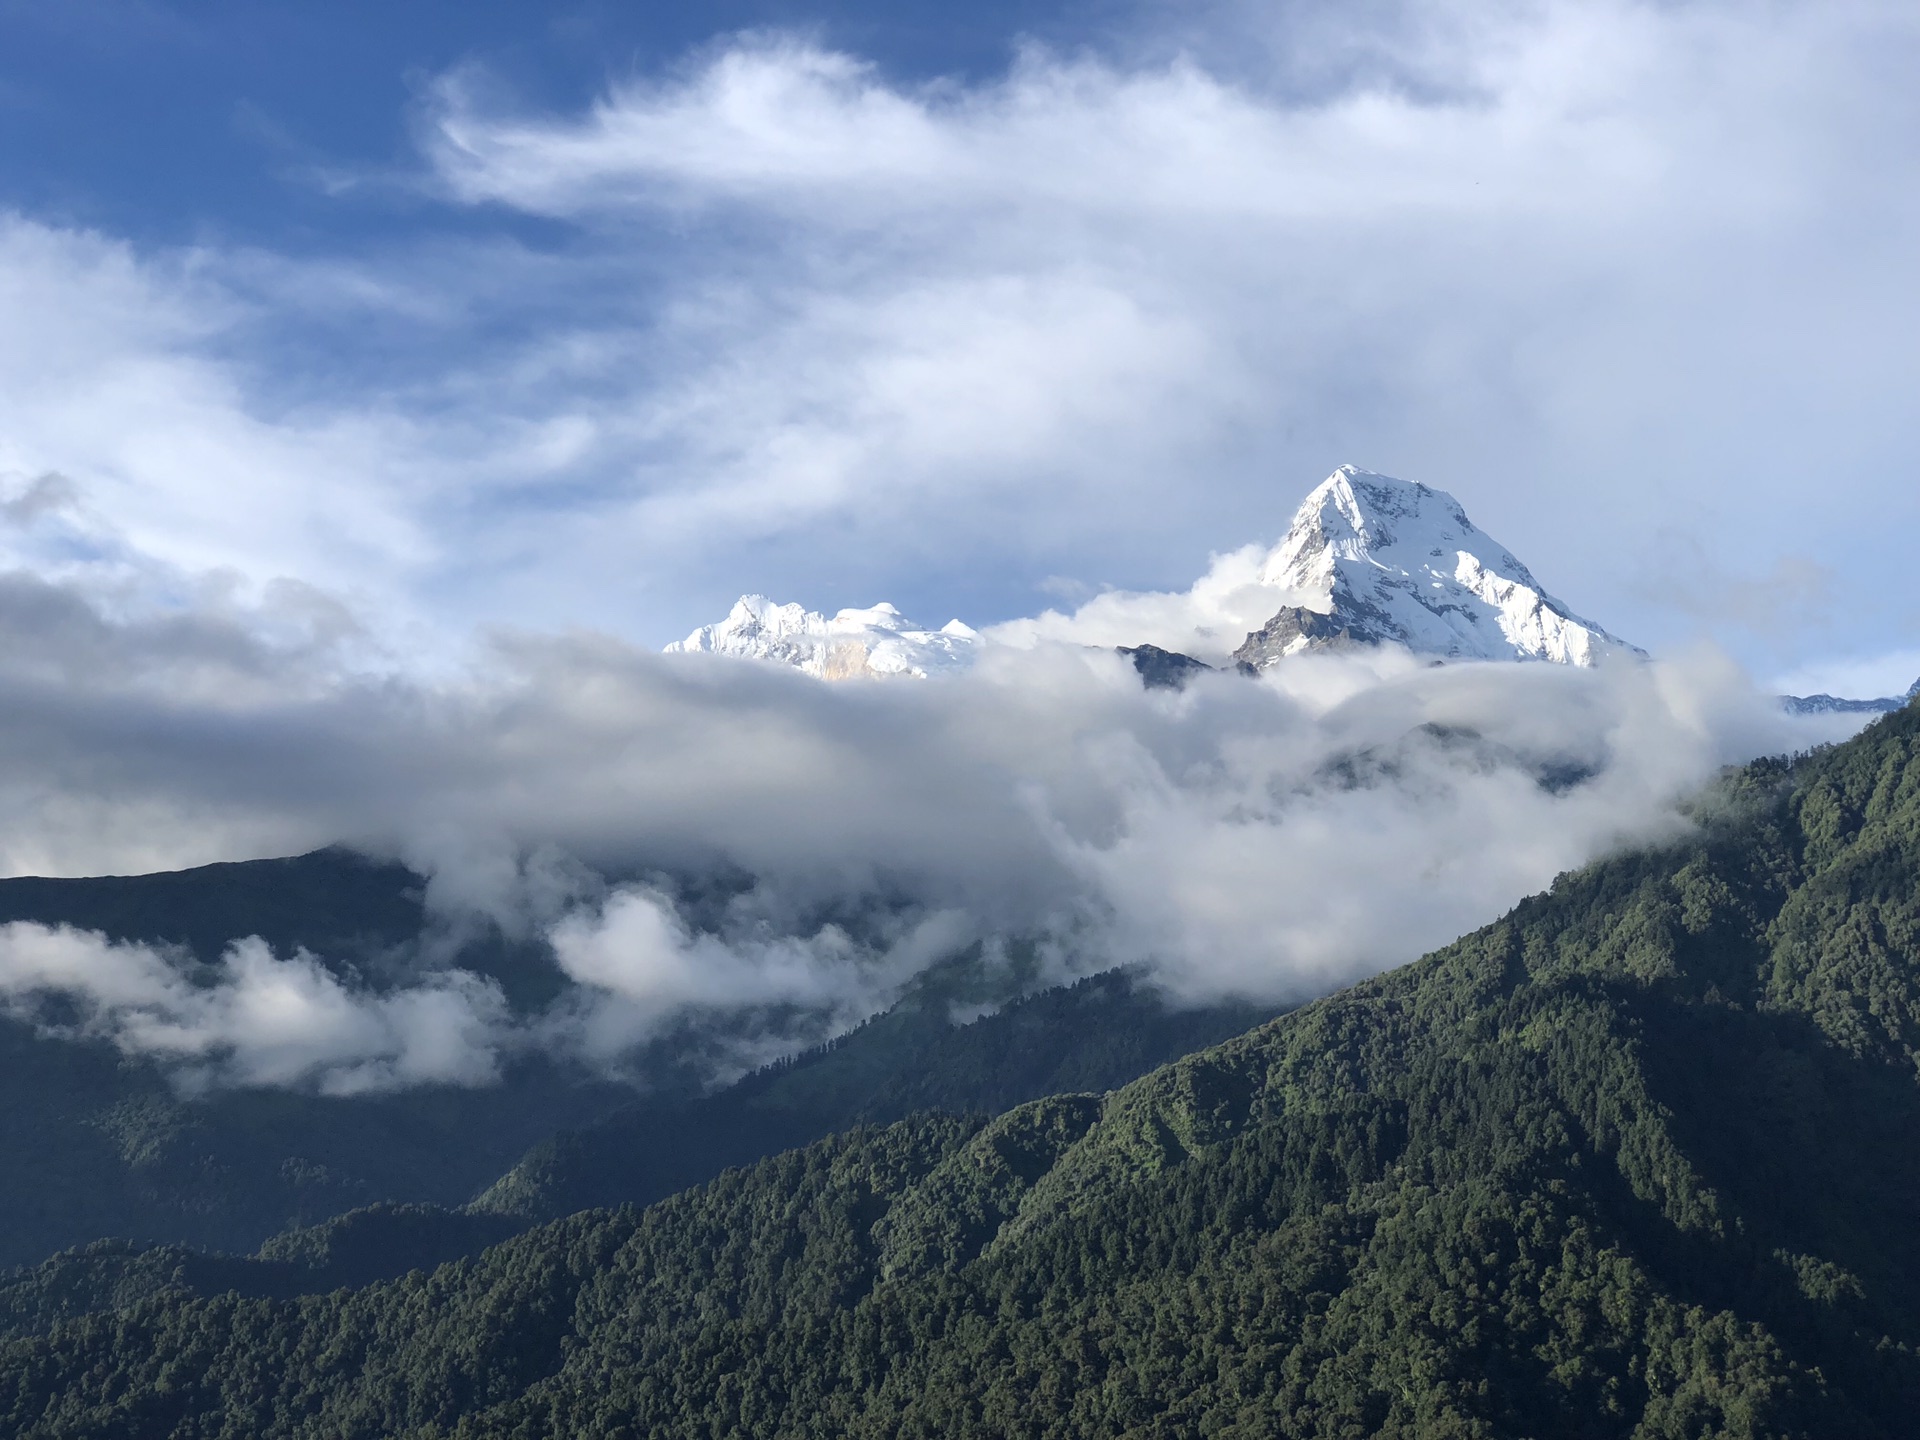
<point x="1640" y="1159"/>
<point x="1098" y="1033"/>
<point x="102" y="1144"/>
<point x="99" y="1143"/>
<point x="1094" y="1035"/>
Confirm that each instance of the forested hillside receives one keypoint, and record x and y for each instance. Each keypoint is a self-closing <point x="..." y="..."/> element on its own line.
<point x="334" y="902"/>
<point x="1098" y="1033"/>
<point x="1094" y="1035"/>
<point x="99" y="1143"/>
<point x="104" y="1144"/>
<point x="1640" y="1159"/>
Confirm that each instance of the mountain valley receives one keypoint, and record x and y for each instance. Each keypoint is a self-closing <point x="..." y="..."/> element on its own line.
<point x="1637" y="1159"/>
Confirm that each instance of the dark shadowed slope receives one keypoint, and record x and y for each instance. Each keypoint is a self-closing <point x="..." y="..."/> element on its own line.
<point x="97" y="1143"/>
<point x="1097" y="1034"/>
<point x="338" y="904"/>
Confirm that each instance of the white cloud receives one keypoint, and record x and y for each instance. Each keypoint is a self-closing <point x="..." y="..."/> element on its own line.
<point x="1544" y="108"/>
<point x="640" y="968"/>
<point x="1408" y="809"/>
<point x="1272" y="837"/>
<point x="805" y="327"/>
<point x="1208" y="620"/>
<point x="257" y="1020"/>
<point x="1575" y="261"/>
<point x="116" y="371"/>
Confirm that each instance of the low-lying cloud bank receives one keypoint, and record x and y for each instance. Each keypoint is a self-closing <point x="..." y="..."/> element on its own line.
<point x="695" y="838"/>
<point x="256" y="1019"/>
<point x="1208" y="620"/>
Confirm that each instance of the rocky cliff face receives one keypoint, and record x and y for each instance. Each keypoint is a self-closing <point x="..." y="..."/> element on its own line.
<point x="1163" y="669"/>
<point x="1297" y="628"/>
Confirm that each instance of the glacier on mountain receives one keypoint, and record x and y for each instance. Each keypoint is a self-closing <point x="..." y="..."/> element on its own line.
<point x="1368" y="560"/>
<point x="853" y="644"/>
<point x="1374" y="560"/>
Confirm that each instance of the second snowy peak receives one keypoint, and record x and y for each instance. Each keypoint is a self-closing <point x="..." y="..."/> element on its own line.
<point x="853" y="644"/>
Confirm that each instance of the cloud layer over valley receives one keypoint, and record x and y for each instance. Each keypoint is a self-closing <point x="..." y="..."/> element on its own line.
<point x="256" y="1019"/>
<point x="695" y="838"/>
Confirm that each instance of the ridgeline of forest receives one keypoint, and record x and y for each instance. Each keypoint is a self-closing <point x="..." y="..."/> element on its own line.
<point x="100" y="1143"/>
<point x="1096" y="1034"/>
<point x="1640" y="1159"/>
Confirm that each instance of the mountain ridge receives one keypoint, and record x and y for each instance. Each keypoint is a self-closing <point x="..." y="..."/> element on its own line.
<point x="1376" y="560"/>
<point x="1824" y="704"/>
<point x="1366" y="560"/>
<point x="874" y="642"/>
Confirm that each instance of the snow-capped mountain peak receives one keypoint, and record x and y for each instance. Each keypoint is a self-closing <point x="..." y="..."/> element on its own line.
<point x="1377" y="560"/>
<point x="851" y="644"/>
<point x="1368" y="560"/>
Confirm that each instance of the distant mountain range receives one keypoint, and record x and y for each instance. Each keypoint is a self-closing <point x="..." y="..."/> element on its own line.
<point x="1367" y="560"/>
<point x="851" y="645"/>
<point x="1835" y="705"/>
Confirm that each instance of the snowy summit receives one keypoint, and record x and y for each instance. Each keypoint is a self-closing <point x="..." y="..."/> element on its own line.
<point x="1368" y="560"/>
<point x="1376" y="560"/>
<point x="853" y="644"/>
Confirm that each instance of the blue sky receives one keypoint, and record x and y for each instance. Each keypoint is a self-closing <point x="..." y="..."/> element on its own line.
<point x="174" y="123"/>
<point x="449" y="316"/>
